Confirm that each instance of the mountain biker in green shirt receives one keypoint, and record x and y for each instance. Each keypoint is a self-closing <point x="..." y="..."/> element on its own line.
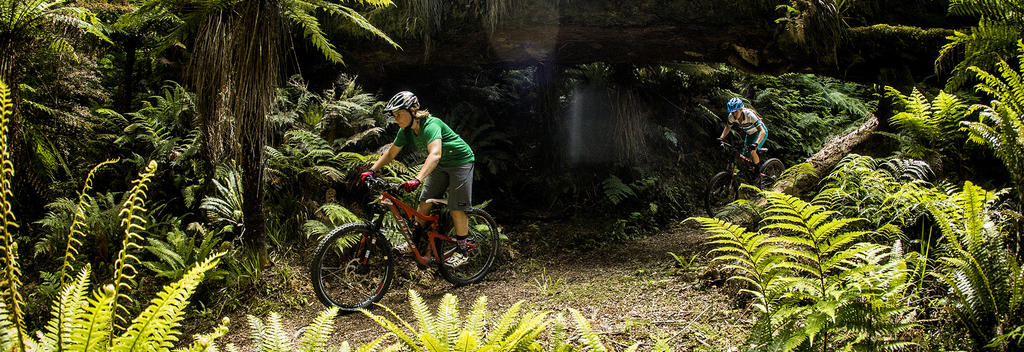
<point x="449" y="164"/>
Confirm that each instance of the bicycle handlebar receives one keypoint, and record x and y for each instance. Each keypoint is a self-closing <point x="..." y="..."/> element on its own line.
<point x="739" y="149"/>
<point x="380" y="185"/>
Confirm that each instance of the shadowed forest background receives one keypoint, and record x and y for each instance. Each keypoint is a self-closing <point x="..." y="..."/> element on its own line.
<point x="168" y="163"/>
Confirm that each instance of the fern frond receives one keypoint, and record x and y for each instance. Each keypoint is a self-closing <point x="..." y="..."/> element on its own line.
<point x="67" y="310"/>
<point x="11" y="279"/>
<point x="78" y="223"/>
<point x="477" y="319"/>
<point x="505" y="324"/>
<point x="205" y="342"/>
<point x="319" y="332"/>
<point x="593" y="343"/>
<point x="395" y="329"/>
<point x="428" y="326"/>
<point x="448" y="322"/>
<point x="91" y="331"/>
<point x="156" y="327"/>
<point x="131" y="219"/>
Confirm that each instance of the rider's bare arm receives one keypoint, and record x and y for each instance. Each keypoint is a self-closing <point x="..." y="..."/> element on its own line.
<point x="433" y="156"/>
<point x="725" y="132"/>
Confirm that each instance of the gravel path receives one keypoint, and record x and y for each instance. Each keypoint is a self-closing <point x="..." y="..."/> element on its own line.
<point x="631" y="292"/>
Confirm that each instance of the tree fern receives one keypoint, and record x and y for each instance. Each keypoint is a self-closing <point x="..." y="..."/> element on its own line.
<point x="132" y="221"/>
<point x="11" y="278"/>
<point x="928" y="127"/>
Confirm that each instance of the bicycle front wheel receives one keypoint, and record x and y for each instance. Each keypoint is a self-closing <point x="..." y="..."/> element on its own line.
<point x="721" y="191"/>
<point x="771" y="169"/>
<point x="483" y="249"/>
<point x="352" y="267"/>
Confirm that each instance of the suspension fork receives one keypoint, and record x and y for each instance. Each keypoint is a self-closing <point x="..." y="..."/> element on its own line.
<point x="368" y="245"/>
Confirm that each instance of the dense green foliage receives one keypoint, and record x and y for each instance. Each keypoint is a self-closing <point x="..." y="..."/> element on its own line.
<point x="96" y="321"/>
<point x="915" y="247"/>
<point x="820" y="278"/>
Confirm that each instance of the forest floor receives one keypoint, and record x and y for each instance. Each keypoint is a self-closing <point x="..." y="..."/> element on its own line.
<point x="633" y="291"/>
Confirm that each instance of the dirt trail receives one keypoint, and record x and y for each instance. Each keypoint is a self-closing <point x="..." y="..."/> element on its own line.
<point x="631" y="292"/>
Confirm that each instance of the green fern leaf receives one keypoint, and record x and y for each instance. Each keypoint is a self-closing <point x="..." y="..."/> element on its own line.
<point x="319" y="332"/>
<point x="79" y="221"/>
<point x="590" y="338"/>
<point x="67" y="310"/>
<point x="124" y="270"/>
<point x="156" y="327"/>
<point x="11" y="278"/>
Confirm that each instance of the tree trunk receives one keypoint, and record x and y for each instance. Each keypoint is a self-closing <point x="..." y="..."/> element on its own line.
<point x="256" y="52"/>
<point x="549" y="82"/>
<point x="124" y="103"/>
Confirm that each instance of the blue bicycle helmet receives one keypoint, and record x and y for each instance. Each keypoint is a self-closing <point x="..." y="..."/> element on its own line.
<point x="734" y="104"/>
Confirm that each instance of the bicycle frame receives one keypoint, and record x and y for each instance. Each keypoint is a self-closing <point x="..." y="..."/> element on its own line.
<point x="403" y="214"/>
<point x="733" y="166"/>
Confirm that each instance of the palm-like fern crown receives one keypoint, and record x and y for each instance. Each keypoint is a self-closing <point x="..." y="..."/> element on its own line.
<point x="930" y="126"/>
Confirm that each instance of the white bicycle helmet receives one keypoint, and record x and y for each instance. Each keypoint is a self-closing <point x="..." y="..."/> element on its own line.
<point x="403" y="100"/>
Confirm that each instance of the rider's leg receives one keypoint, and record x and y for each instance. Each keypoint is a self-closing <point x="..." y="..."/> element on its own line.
<point x="433" y="188"/>
<point x="461" y="222"/>
<point x="423" y="208"/>
<point x="460" y="199"/>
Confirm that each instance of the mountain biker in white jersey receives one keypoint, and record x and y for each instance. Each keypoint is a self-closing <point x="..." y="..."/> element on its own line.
<point x="747" y="120"/>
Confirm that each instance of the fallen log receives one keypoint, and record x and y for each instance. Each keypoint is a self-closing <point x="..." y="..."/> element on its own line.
<point x="822" y="163"/>
<point x="825" y="159"/>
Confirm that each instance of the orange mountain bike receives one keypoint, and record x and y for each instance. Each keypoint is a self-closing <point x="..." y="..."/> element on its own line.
<point x="353" y="265"/>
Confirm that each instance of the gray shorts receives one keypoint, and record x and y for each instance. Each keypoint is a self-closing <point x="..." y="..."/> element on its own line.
<point x="457" y="180"/>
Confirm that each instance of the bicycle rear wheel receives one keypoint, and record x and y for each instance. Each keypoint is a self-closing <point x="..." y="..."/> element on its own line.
<point x="485" y="243"/>
<point x="772" y="170"/>
<point x="721" y="191"/>
<point x="352" y="267"/>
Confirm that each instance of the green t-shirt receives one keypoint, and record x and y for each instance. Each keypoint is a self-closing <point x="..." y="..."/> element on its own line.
<point x="454" y="151"/>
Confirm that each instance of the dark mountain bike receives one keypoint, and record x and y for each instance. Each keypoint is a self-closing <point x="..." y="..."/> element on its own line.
<point x="724" y="186"/>
<point x="353" y="265"/>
